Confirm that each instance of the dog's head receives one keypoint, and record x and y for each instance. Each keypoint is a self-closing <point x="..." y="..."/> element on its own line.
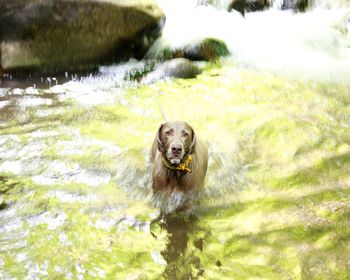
<point x="176" y="140"/>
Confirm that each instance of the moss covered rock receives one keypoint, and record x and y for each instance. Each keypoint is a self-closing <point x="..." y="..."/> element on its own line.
<point x="61" y="35"/>
<point x="174" y="68"/>
<point x="208" y="49"/>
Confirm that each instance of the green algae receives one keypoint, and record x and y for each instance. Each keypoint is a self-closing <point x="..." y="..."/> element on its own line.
<point x="288" y="221"/>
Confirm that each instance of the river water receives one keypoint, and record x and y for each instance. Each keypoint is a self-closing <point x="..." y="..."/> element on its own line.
<point x="75" y="195"/>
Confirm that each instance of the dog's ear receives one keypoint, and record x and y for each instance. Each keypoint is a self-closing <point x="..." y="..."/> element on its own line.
<point x="159" y="139"/>
<point x="193" y="144"/>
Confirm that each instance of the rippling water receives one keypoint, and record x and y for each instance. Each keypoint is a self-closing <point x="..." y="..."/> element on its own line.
<point x="75" y="195"/>
<point x="75" y="190"/>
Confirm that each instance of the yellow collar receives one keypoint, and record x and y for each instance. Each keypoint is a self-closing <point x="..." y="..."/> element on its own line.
<point x="182" y="166"/>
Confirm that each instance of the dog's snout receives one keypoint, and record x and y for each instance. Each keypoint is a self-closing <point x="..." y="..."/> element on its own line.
<point x="176" y="149"/>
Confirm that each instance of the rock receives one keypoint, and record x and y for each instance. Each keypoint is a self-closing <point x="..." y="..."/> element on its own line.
<point x="64" y="35"/>
<point x="208" y="49"/>
<point x="238" y="5"/>
<point x="174" y="68"/>
<point x="243" y="6"/>
<point x="295" y="5"/>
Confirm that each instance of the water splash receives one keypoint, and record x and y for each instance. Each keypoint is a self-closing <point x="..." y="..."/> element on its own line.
<point x="308" y="46"/>
<point x="330" y="4"/>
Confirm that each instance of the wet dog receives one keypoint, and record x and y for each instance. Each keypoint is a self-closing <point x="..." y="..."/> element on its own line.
<point x="179" y="164"/>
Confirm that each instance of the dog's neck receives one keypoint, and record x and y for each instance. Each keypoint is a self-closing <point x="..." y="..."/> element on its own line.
<point x="182" y="166"/>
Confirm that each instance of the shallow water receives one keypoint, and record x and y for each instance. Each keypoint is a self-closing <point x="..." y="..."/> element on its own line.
<point x="75" y="196"/>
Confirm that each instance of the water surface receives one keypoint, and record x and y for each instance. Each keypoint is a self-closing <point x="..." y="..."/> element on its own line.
<point x="75" y="196"/>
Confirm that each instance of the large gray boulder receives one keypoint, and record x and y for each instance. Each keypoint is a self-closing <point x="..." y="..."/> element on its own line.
<point x="60" y="35"/>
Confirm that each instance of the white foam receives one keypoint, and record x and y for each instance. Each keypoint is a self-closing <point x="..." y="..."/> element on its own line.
<point x="158" y="258"/>
<point x="14" y="167"/>
<point x="308" y="46"/>
<point x="27" y="101"/>
<point x="4" y="103"/>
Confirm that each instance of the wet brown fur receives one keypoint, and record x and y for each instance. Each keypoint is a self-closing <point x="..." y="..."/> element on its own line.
<point x="168" y="180"/>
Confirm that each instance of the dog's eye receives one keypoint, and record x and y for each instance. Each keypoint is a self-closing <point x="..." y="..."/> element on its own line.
<point x="185" y="134"/>
<point x="169" y="132"/>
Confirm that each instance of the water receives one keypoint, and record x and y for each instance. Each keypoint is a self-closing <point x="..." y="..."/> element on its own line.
<point x="75" y="195"/>
<point x="308" y="46"/>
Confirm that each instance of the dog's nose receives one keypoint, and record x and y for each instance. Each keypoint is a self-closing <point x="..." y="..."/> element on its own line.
<point x="176" y="149"/>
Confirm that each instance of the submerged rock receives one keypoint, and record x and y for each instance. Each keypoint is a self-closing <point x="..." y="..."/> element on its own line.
<point x="174" y="68"/>
<point x="62" y="35"/>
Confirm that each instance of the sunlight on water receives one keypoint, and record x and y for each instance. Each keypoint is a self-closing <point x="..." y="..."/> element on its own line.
<point x="75" y="179"/>
<point x="76" y="198"/>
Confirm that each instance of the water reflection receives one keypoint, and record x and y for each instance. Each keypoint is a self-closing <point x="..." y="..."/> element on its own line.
<point x="38" y="80"/>
<point x="180" y="251"/>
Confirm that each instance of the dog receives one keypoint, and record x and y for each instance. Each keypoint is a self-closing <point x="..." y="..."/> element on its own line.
<point x="179" y="163"/>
